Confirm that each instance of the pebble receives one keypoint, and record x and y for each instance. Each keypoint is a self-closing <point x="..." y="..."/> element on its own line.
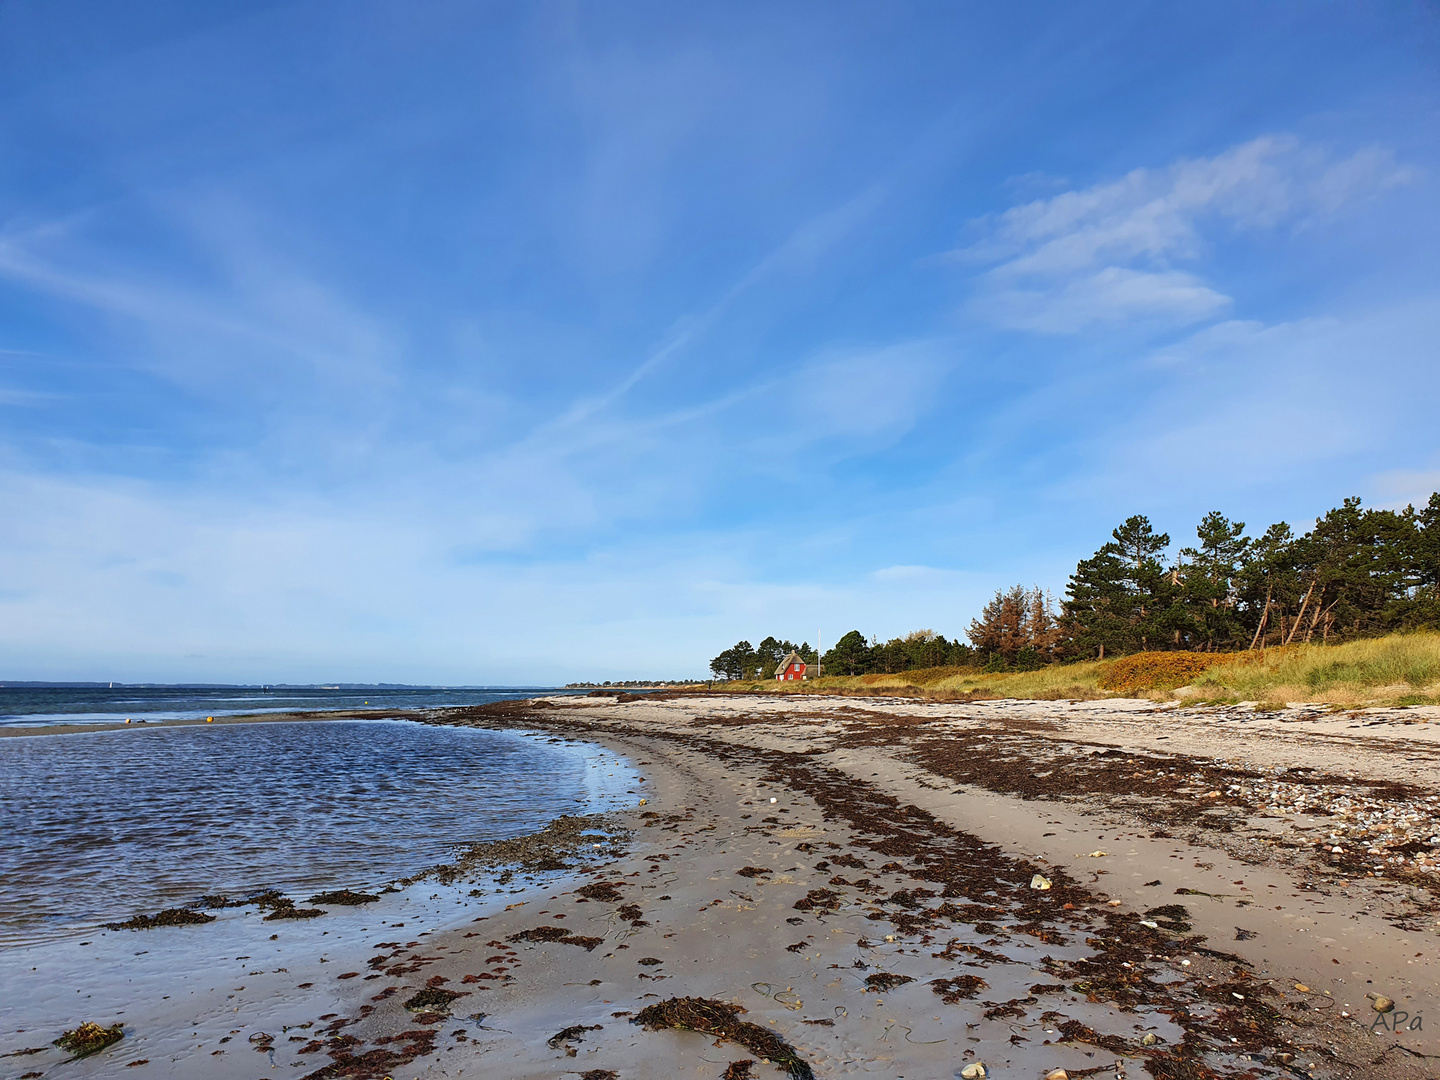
<point x="1380" y="1003"/>
<point x="1039" y="881"/>
<point x="974" y="1071"/>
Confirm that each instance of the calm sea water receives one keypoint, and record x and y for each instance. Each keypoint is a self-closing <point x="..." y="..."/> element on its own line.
<point x="97" y="826"/>
<point x="20" y="705"/>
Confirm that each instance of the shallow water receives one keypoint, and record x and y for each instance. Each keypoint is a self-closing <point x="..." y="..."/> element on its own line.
<point x="97" y="827"/>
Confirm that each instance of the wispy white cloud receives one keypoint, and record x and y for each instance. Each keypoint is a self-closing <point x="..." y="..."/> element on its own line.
<point x="1113" y="295"/>
<point x="1109" y="253"/>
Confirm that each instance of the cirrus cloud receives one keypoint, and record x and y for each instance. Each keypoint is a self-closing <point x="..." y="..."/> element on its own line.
<point x="1109" y="253"/>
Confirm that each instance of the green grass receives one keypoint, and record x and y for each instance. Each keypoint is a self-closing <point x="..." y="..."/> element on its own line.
<point x="1399" y="669"/>
<point x="1386" y="670"/>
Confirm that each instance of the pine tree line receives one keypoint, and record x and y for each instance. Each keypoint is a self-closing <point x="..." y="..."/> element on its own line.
<point x="1357" y="573"/>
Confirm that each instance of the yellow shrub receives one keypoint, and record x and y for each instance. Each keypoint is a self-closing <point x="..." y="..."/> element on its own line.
<point x="1156" y="670"/>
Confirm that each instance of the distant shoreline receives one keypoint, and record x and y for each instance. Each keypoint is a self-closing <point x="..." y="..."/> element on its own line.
<point x="9" y="731"/>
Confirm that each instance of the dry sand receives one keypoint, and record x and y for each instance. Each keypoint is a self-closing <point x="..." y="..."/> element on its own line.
<point x="878" y="915"/>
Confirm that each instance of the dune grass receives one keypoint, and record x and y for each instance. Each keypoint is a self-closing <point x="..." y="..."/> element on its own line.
<point x="1399" y="669"/>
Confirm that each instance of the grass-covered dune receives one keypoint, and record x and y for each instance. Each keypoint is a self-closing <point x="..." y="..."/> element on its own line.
<point x="1399" y="669"/>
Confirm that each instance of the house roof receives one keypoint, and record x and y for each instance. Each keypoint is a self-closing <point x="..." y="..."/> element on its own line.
<point x="793" y="658"/>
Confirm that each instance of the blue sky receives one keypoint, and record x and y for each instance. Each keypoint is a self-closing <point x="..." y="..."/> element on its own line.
<point x="465" y="343"/>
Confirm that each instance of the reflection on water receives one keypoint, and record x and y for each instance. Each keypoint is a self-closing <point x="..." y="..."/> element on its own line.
<point x="96" y="827"/>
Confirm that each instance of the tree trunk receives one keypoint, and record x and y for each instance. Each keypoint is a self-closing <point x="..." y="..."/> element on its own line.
<point x="1315" y="619"/>
<point x="1301" y="616"/>
<point x="1264" y="615"/>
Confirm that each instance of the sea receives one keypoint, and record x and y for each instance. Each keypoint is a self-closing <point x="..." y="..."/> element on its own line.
<point x="99" y="704"/>
<point x="99" y="825"/>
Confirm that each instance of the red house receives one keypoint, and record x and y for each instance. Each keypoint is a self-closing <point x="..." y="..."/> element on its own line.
<point x="792" y="667"/>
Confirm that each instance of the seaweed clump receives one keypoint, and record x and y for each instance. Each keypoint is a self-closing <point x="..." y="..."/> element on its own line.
<point x="717" y="1018"/>
<point x="89" y="1038"/>
<point x="558" y="934"/>
<point x="563" y="1038"/>
<point x="952" y="991"/>
<point x="432" y="999"/>
<point x="605" y="891"/>
<point x="1172" y="917"/>
<point x="287" y="910"/>
<point x="821" y="899"/>
<point x="886" y="980"/>
<point x="343" y="897"/>
<point x="169" y="917"/>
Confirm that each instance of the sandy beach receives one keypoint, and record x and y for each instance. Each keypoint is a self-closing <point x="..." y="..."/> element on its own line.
<point x="828" y="887"/>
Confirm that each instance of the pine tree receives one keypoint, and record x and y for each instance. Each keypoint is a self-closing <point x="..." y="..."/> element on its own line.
<point x="1209" y="594"/>
<point x="850" y="656"/>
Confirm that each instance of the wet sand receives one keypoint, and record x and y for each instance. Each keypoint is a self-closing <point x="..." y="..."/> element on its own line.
<point x="879" y="918"/>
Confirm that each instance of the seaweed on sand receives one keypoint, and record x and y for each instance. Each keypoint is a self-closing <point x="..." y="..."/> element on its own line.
<point x="823" y="899"/>
<point x="886" y="980"/>
<point x="557" y="934"/>
<point x="169" y="917"/>
<point x="606" y="891"/>
<point x="343" y="897"/>
<point x="576" y="1032"/>
<point x="952" y="991"/>
<point x="89" y="1038"/>
<point x="220" y="900"/>
<point x="1173" y="917"/>
<point x="718" y="1018"/>
<point x="288" y="910"/>
<point x="432" y="999"/>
